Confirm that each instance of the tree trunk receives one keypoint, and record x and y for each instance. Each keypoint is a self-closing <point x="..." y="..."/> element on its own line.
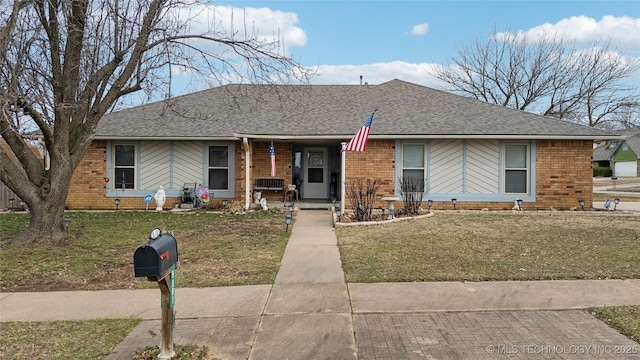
<point x="46" y="204"/>
<point x="46" y="222"/>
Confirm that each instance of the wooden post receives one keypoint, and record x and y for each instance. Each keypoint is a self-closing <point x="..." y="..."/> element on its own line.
<point x="166" y="346"/>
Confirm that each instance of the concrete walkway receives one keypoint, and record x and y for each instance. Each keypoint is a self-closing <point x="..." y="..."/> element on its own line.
<point x="310" y="313"/>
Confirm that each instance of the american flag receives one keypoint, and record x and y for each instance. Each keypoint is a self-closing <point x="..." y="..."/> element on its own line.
<point x="272" y="152"/>
<point x="359" y="141"/>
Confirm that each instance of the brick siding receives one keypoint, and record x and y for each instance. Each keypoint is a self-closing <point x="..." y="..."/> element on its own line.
<point x="563" y="175"/>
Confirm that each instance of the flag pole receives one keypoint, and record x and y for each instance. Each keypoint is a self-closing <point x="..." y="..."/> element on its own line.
<point x="343" y="176"/>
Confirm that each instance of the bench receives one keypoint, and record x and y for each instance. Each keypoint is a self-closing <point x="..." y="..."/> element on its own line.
<point x="269" y="184"/>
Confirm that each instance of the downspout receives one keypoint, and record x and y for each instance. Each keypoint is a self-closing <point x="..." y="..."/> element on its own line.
<point x="343" y="176"/>
<point x="247" y="166"/>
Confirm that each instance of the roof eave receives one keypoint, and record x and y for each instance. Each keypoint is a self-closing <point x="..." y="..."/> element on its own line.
<point x="431" y="136"/>
<point x="343" y="137"/>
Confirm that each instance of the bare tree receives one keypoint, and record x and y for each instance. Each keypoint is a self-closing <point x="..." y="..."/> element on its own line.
<point x="591" y="87"/>
<point x="65" y="63"/>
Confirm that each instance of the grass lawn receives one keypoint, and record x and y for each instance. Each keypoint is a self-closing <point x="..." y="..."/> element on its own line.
<point x="92" y="339"/>
<point x="477" y="246"/>
<point x="625" y="319"/>
<point x="217" y="250"/>
<point x="214" y="250"/>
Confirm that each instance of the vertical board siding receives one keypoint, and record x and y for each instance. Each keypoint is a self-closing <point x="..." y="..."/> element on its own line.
<point x="446" y="169"/>
<point x="187" y="163"/>
<point x="482" y="161"/>
<point x="155" y="165"/>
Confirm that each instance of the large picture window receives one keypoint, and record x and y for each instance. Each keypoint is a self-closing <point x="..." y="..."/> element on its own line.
<point x="218" y="168"/>
<point x="516" y="169"/>
<point x="413" y="165"/>
<point x="125" y="167"/>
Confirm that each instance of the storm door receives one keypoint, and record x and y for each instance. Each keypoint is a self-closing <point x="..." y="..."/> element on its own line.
<point x="315" y="173"/>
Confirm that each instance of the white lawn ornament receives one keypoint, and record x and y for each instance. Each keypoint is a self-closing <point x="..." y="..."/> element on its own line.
<point x="160" y="197"/>
<point x="263" y="203"/>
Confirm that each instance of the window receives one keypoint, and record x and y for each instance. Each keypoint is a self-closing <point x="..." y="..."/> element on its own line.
<point x="413" y="162"/>
<point x="125" y="167"/>
<point x="516" y="170"/>
<point x="218" y="167"/>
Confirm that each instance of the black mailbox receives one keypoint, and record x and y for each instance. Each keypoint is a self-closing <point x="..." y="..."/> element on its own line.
<point x="157" y="256"/>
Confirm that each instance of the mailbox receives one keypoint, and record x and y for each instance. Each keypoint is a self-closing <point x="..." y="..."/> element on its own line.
<point x="157" y="256"/>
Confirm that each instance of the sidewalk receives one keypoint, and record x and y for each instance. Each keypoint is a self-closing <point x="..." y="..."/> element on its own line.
<point x="311" y="313"/>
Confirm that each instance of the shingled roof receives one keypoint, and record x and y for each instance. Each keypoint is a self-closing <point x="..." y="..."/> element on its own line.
<point x="404" y="110"/>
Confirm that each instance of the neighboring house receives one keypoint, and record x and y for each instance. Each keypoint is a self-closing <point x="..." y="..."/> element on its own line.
<point x="484" y="155"/>
<point x="621" y="155"/>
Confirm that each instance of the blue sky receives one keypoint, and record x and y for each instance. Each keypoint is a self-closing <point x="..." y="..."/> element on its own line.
<point x="383" y="40"/>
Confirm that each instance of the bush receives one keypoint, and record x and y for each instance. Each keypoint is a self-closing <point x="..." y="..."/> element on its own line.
<point x="362" y="195"/>
<point x="602" y="171"/>
<point x="412" y="190"/>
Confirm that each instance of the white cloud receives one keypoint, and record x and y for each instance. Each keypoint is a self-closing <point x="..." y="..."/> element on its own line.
<point x="623" y="31"/>
<point x="262" y="23"/>
<point x="420" y="29"/>
<point x="377" y="73"/>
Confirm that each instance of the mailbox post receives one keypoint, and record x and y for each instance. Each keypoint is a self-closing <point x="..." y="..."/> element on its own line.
<point x="157" y="260"/>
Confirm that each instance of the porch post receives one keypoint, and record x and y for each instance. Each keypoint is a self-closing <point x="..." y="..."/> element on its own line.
<point x="343" y="176"/>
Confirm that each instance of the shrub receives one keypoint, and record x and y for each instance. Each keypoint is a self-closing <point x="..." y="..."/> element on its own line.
<point x="362" y="195"/>
<point x="602" y="171"/>
<point x="412" y="190"/>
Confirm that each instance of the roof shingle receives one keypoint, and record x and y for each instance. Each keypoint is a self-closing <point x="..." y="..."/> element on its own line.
<point x="332" y="111"/>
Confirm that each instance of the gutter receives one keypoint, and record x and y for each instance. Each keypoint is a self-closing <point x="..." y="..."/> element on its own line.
<point x="434" y="136"/>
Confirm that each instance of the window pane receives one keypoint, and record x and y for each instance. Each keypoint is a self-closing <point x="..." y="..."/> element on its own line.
<point x="125" y="155"/>
<point x="515" y="156"/>
<point x="218" y="156"/>
<point x="124" y="178"/>
<point x="516" y="181"/>
<point x="413" y="156"/>
<point x="218" y="179"/>
<point x="418" y="175"/>
<point x="315" y="175"/>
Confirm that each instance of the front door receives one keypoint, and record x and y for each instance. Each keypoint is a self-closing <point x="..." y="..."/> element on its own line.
<point x="315" y="173"/>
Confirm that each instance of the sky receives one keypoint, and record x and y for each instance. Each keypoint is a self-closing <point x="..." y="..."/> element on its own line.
<point x="386" y="40"/>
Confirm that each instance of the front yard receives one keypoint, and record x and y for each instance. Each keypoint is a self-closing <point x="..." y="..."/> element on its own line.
<point x="218" y="250"/>
<point x="477" y="246"/>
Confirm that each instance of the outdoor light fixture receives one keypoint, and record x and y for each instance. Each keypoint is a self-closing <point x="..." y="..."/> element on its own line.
<point x="290" y="208"/>
<point x="614" y="179"/>
<point x="21" y="205"/>
<point x="616" y="201"/>
<point x="581" y="202"/>
<point x="66" y="222"/>
<point x="454" y="202"/>
<point x="338" y="212"/>
<point x="225" y="202"/>
<point x="117" y="201"/>
<point x="429" y="204"/>
<point x="11" y="201"/>
<point x="519" y="202"/>
<point x="287" y="221"/>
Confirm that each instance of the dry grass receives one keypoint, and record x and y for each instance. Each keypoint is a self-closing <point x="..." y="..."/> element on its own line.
<point x="92" y="339"/>
<point x="488" y="246"/>
<point x="214" y="250"/>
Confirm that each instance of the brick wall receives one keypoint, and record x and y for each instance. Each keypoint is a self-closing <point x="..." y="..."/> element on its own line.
<point x="87" y="190"/>
<point x="261" y="166"/>
<point x="377" y="162"/>
<point x="564" y="173"/>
